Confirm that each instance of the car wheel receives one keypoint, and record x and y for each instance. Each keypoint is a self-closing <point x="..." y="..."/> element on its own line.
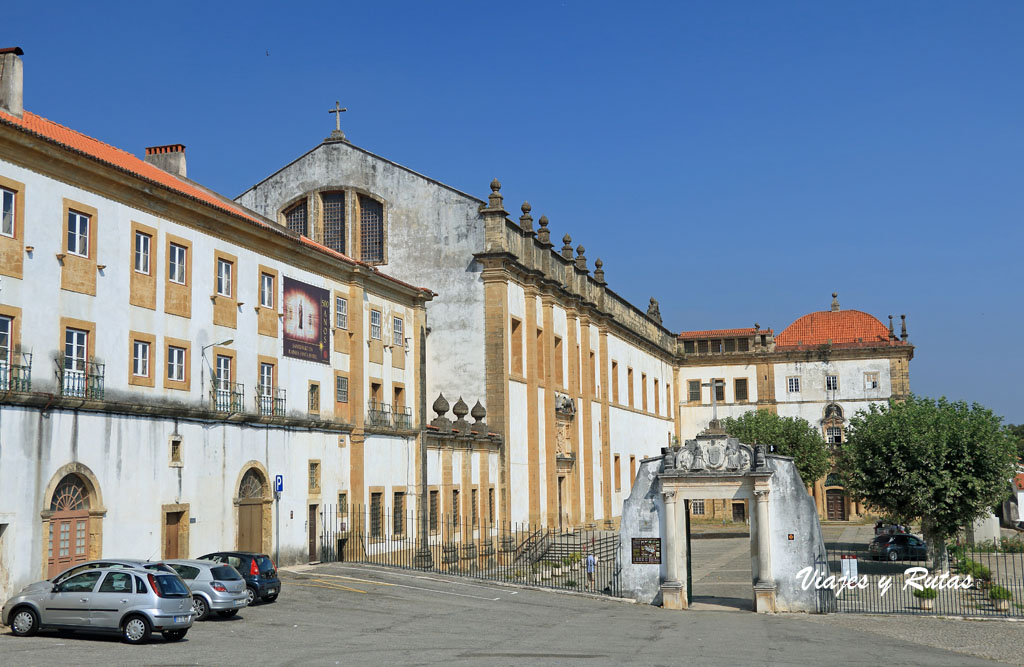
<point x="24" y="622"/>
<point x="201" y="609"/>
<point x="227" y="613"/>
<point x="894" y="555"/>
<point x="174" y="635"/>
<point x="250" y="595"/>
<point x="269" y="598"/>
<point x="135" y="630"/>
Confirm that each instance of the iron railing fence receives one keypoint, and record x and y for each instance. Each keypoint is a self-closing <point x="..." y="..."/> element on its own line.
<point x="84" y="383"/>
<point x="15" y="378"/>
<point x="518" y="553"/>
<point x="270" y="401"/>
<point x="402" y="416"/>
<point x="227" y="396"/>
<point x="378" y="414"/>
<point x="889" y="584"/>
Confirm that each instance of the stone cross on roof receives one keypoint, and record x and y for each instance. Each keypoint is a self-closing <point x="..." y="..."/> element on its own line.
<point x="336" y="133"/>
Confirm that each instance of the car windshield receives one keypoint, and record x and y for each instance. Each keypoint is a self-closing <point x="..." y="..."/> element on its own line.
<point x="225" y="573"/>
<point x="265" y="563"/>
<point x="882" y="539"/>
<point x="170" y="586"/>
<point x="163" y="567"/>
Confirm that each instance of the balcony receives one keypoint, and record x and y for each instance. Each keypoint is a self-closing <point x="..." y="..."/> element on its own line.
<point x="77" y="383"/>
<point x="227" y="396"/>
<point x="378" y="414"/>
<point x="270" y="401"/>
<point x="15" y="378"/>
<point x="402" y="417"/>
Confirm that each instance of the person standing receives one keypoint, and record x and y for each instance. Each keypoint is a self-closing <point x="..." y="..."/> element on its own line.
<point x="591" y="565"/>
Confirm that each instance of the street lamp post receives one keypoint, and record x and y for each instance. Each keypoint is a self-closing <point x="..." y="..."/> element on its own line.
<point x="202" y="376"/>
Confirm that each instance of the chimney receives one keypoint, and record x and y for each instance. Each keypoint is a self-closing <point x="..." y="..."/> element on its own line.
<point x="169" y="158"/>
<point x="11" y="80"/>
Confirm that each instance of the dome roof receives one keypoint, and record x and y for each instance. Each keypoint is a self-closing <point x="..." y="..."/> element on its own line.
<point x="838" y="327"/>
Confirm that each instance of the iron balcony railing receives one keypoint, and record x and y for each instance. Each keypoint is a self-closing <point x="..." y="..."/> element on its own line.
<point x="270" y="401"/>
<point x="402" y="416"/>
<point x="227" y="396"/>
<point x="15" y="378"/>
<point x="86" y="383"/>
<point x="378" y="414"/>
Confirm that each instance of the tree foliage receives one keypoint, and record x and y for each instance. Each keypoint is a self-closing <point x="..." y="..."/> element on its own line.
<point x="791" y="436"/>
<point x="943" y="463"/>
<point x="1017" y="431"/>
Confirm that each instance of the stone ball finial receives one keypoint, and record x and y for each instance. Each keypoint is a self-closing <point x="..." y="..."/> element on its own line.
<point x="441" y="406"/>
<point x="526" y="208"/>
<point x="495" y="185"/>
<point x="461" y="409"/>
<point x="835" y="301"/>
<point x="580" y="250"/>
<point x="566" y="239"/>
<point x="598" y="263"/>
<point x="543" y="222"/>
<point x="479" y="412"/>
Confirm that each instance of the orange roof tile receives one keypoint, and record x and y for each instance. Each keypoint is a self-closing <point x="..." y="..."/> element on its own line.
<point x="710" y="333"/>
<point x="838" y="327"/>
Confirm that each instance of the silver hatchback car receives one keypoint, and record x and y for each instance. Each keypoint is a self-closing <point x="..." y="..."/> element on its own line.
<point x="215" y="587"/>
<point x="131" y="601"/>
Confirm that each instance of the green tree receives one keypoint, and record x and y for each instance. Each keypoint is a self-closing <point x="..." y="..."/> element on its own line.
<point x="945" y="464"/>
<point x="1017" y="431"/>
<point x="791" y="436"/>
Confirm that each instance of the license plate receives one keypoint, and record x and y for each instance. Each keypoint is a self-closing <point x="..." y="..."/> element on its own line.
<point x="271" y="591"/>
<point x="181" y="619"/>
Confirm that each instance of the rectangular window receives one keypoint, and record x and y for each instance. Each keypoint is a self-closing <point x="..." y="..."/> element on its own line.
<point x="398" y="514"/>
<point x="314" y="477"/>
<point x="629" y="385"/>
<point x="831" y="383"/>
<point x="632" y="470"/>
<point x="176" y="449"/>
<point x="314" y="397"/>
<point x="334" y="220"/>
<point x="473" y="499"/>
<point x="375" y="324"/>
<point x="556" y="360"/>
<point x="267" y="290"/>
<point x="719" y="390"/>
<point x="743" y="344"/>
<point x="7" y="198"/>
<point x="223" y="277"/>
<point x="834" y="435"/>
<point x="176" y="363"/>
<point x="740" y="389"/>
<point x="593" y="375"/>
<point x="5" y="347"/>
<point x="702" y="347"/>
<point x="376" y="515"/>
<point x="371" y="228"/>
<point x="615" y="381"/>
<point x="688" y="347"/>
<point x="142" y="244"/>
<point x="342" y="506"/>
<point x="340" y="312"/>
<point x="397" y="334"/>
<point x="716" y="347"/>
<point x="516" y="340"/>
<point x="793" y="385"/>
<point x="266" y="379"/>
<point x="75" y="349"/>
<point x="657" y="398"/>
<point x="455" y="507"/>
<point x="730" y="345"/>
<point x="176" y="263"/>
<point x="693" y="391"/>
<point x="140" y="358"/>
<point x="540" y="355"/>
<point x="78" y="234"/>
<point x="223" y="372"/>
<point x="618" y="474"/>
<point x="490" y="506"/>
<point x="433" y="511"/>
<point x="341" y="389"/>
<point x="871" y="380"/>
<point x="643" y="391"/>
<point x="697" y="507"/>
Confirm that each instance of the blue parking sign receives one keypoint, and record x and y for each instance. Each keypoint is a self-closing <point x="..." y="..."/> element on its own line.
<point x="279" y="483"/>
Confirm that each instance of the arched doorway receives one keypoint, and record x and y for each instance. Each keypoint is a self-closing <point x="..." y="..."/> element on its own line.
<point x="252" y="497"/>
<point x="69" y="525"/>
<point x="835" y="505"/>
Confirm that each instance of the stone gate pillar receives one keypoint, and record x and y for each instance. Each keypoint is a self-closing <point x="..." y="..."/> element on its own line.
<point x="672" y="594"/>
<point x="764" y="589"/>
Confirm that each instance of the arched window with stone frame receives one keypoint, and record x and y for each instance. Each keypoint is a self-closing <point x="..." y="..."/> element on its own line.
<point x="832" y="424"/>
<point x="296" y="217"/>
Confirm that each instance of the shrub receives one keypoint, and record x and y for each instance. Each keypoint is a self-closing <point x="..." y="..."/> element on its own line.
<point x="999" y="593"/>
<point x="567" y="561"/>
<point x="926" y="594"/>
<point x="570" y="583"/>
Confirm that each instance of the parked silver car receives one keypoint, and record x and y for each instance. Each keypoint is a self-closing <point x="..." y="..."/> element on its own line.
<point x="131" y="601"/>
<point x="215" y="587"/>
<point x="47" y="584"/>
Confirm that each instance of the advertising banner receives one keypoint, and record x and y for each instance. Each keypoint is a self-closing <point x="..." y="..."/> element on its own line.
<point x="307" y="322"/>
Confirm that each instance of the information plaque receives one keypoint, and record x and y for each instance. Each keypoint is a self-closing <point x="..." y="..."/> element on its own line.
<point x="646" y="550"/>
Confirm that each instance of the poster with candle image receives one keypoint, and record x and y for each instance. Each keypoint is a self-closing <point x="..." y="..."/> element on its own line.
<point x="307" y="322"/>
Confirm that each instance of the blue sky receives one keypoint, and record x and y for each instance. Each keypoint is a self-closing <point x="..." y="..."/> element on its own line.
<point x="738" y="161"/>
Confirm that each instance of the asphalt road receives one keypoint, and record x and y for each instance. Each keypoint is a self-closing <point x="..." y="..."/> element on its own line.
<point x="350" y="615"/>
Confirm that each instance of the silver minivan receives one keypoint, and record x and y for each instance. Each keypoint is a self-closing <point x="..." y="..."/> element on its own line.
<point x="215" y="587"/>
<point x="131" y="601"/>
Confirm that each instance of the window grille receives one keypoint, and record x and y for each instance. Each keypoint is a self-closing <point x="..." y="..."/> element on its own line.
<point x="295" y="219"/>
<point x="398" y="514"/>
<point x="693" y="391"/>
<point x="741" y="389"/>
<point x="742" y="344"/>
<point x="433" y="511"/>
<point x="730" y="344"/>
<point x="334" y="221"/>
<point x="697" y="507"/>
<point x="702" y="347"/>
<point x="376" y="518"/>
<point x="719" y="390"/>
<point x="341" y="389"/>
<point x="314" y="397"/>
<point x="371" y="229"/>
<point x="835" y="435"/>
<point x="314" y="476"/>
<point x="688" y="347"/>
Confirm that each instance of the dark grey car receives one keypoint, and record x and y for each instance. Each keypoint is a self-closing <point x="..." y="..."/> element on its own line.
<point x="215" y="587"/>
<point x="131" y="601"/>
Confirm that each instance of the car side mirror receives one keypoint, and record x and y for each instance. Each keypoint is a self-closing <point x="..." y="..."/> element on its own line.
<point x="56" y="588"/>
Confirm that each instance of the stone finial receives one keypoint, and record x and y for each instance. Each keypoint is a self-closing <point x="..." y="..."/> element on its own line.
<point x="461" y="409"/>
<point x="654" y="311"/>
<point x="544" y="234"/>
<point x="757" y="326"/>
<point x="567" y="248"/>
<point x="835" y="302"/>
<point x="903" y="327"/>
<point x="526" y="220"/>
<point x="581" y="258"/>
<point x="892" y="334"/>
<point x="441" y="406"/>
<point x="495" y="200"/>
<point x="598" y="270"/>
<point x="478" y="412"/>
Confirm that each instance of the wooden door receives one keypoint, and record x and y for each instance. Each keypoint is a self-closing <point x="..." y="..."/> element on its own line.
<point x="69" y="541"/>
<point x="835" y="505"/>
<point x="250" y="527"/>
<point x="172" y="528"/>
<point x="312" y="534"/>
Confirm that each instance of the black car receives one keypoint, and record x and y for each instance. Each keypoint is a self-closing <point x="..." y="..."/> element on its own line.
<point x="258" y="570"/>
<point x="898" y="547"/>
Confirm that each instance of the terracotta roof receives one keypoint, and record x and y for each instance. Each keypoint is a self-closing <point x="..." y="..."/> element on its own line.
<point x="849" y="328"/>
<point x="16" y="50"/>
<point x="1018" y="482"/>
<point x="711" y="333"/>
<point x="125" y="161"/>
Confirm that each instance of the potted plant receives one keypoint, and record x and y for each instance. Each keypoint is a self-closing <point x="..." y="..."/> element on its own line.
<point x="927" y="597"/>
<point x="556" y="567"/>
<point x="1000" y="597"/>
